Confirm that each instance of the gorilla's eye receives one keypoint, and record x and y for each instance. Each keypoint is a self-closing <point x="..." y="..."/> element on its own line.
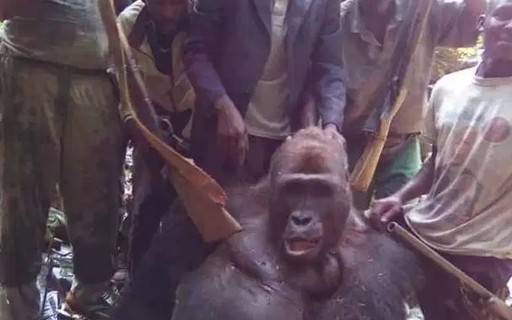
<point x="321" y="189"/>
<point x="295" y="188"/>
<point x="314" y="188"/>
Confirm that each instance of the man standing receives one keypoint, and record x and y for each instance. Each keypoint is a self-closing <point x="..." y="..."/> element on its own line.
<point x="60" y="125"/>
<point x="156" y="32"/>
<point x="250" y="63"/>
<point x="375" y="34"/>
<point x="467" y="180"/>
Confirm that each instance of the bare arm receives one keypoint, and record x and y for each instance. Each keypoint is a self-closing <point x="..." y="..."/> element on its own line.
<point x="385" y="210"/>
<point x="421" y="182"/>
<point x="472" y="11"/>
<point x="474" y="8"/>
<point x="202" y="40"/>
<point x="458" y="22"/>
<point x="11" y="8"/>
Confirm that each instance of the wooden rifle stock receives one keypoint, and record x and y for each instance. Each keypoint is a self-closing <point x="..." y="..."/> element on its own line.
<point x="494" y="304"/>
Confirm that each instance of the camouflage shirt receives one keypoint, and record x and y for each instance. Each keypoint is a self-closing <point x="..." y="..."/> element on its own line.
<point x="68" y="32"/>
<point x="367" y="61"/>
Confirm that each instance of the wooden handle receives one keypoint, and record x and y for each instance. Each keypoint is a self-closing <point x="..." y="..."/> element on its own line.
<point x="365" y="168"/>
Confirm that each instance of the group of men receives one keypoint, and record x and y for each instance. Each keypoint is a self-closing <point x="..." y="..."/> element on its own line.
<point x="234" y="78"/>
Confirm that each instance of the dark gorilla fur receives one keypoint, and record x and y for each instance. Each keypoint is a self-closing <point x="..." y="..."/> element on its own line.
<point x="303" y="254"/>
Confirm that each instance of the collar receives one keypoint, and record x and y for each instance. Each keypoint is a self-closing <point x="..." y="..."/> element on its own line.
<point x="356" y="20"/>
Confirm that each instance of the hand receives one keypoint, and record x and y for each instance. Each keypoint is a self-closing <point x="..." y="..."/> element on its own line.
<point x="231" y="131"/>
<point x="332" y="130"/>
<point x="384" y="210"/>
<point x="331" y="127"/>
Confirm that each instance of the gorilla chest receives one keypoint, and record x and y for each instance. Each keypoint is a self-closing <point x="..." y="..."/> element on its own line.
<point x="227" y="293"/>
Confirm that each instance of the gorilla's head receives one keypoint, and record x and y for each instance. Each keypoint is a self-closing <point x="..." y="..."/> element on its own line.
<point x="309" y="195"/>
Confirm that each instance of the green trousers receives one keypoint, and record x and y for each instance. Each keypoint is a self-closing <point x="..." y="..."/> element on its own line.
<point x="58" y="126"/>
<point x="389" y="177"/>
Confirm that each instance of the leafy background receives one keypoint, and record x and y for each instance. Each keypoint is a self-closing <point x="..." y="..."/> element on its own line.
<point x="449" y="60"/>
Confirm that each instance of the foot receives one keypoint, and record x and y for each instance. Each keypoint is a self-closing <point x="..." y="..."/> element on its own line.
<point x="97" y="309"/>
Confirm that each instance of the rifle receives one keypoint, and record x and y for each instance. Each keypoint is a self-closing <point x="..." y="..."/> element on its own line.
<point x="495" y="305"/>
<point x="203" y="198"/>
<point x="394" y="93"/>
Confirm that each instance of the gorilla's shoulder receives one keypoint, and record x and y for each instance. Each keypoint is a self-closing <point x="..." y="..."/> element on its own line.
<point x="379" y="272"/>
<point x="246" y="200"/>
<point x="371" y="249"/>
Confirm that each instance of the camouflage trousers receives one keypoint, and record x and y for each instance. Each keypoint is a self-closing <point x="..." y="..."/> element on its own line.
<point x="58" y="126"/>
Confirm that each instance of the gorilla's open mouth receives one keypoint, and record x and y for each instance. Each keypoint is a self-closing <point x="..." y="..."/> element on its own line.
<point x="300" y="246"/>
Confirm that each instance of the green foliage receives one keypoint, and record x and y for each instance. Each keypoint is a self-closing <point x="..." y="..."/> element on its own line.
<point x="450" y="60"/>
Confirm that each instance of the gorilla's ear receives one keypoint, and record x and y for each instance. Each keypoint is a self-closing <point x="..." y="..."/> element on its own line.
<point x="480" y="24"/>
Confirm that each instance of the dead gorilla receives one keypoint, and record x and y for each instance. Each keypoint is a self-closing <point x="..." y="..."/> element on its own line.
<point x="299" y="256"/>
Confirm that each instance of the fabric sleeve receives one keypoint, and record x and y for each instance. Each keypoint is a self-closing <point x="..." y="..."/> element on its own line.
<point x="203" y="38"/>
<point x="457" y="22"/>
<point x="327" y="75"/>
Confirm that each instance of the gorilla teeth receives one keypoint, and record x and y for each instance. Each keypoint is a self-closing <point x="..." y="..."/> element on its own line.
<point x="300" y="246"/>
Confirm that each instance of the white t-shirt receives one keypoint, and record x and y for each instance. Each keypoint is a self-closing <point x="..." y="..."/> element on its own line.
<point x="267" y="115"/>
<point x="468" y="210"/>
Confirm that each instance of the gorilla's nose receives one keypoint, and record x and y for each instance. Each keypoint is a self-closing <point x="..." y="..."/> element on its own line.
<point x="301" y="218"/>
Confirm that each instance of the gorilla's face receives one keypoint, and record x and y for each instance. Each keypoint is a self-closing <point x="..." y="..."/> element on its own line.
<point x="309" y="205"/>
<point x="310" y="197"/>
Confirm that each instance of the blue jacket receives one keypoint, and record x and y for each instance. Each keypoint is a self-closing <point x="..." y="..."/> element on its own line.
<point x="229" y="43"/>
